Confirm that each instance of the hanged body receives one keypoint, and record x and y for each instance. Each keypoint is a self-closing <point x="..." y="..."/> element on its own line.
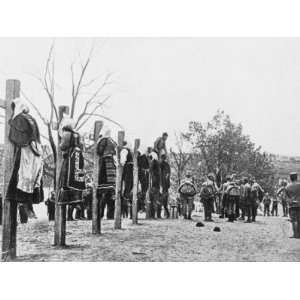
<point x="71" y="181"/>
<point x="25" y="185"/>
<point x="106" y="150"/>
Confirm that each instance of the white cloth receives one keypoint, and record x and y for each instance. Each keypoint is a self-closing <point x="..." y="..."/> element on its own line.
<point x="30" y="171"/>
<point x="20" y="107"/>
<point x="123" y="156"/>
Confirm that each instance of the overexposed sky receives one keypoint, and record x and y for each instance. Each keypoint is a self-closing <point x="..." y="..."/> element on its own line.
<point x="160" y="84"/>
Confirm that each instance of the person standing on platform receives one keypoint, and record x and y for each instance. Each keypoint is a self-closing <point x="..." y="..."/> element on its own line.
<point x="160" y="146"/>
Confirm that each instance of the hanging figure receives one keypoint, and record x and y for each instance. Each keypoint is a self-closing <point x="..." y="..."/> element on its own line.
<point x="71" y="181"/>
<point x="155" y="181"/>
<point x="165" y="184"/>
<point x="106" y="150"/>
<point x="126" y="160"/>
<point x="143" y="174"/>
<point x="25" y="185"/>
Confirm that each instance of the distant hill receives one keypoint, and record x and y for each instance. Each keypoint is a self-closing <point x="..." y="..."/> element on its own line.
<point x="284" y="166"/>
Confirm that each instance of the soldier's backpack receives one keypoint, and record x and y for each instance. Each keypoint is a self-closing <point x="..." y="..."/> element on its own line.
<point x="187" y="189"/>
<point x="207" y="191"/>
<point x="233" y="190"/>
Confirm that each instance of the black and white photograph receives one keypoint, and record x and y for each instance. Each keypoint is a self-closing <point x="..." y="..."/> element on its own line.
<point x="150" y="149"/>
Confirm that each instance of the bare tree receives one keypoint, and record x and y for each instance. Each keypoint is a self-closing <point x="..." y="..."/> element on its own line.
<point x="180" y="157"/>
<point x="88" y="92"/>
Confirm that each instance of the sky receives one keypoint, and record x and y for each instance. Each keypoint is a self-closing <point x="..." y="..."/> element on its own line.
<point x="160" y="84"/>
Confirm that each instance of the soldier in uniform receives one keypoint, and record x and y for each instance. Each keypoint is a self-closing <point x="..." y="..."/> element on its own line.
<point x="293" y="194"/>
<point x="256" y="196"/>
<point x="247" y="200"/>
<point x="224" y="196"/>
<point x="242" y="200"/>
<point x="187" y="192"/>
<point x="233" y="194"/>
<point x="281" y="193"/>
<point x="207" y="194"/>
<point x="267" y="203"/>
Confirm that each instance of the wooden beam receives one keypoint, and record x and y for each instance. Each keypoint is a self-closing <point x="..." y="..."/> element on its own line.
<point x="96" y="221"/>
<point x="135" y="182"/>
<point x="9" y="220"/>
<point x="2" y="103"/>
<point x="118" y="216"/>
<point x="60" y="210"/>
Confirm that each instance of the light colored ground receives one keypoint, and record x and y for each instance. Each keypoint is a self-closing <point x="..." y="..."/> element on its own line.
<point x="163" y="240"/>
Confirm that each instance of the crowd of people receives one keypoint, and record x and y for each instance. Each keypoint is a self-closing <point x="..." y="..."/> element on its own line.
<point x="234" y="199"/>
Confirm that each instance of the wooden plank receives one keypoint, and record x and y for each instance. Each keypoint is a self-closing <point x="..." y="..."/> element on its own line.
<point x="9" y="220"/>
<point x="2" y="103"/>
<point x="96" y="217"/>
<point x="60" y="210"/>
<point x="135" y="182"/>
<point x="118" y="220"/>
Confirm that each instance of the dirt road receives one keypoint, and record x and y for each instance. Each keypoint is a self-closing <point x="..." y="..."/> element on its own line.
<point x="163" y="240"/>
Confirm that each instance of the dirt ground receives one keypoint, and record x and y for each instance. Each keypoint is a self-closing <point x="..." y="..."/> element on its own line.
<point x="162" y="240"/>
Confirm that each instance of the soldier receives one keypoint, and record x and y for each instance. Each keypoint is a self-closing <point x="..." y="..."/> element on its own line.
<point x="242" y="200"/>
<point x="247" y="200"/>
<point x="207" y="194"/>
<point x="187" y="191"/>
<point x="274" y="206"/>
<point x="267" y="203"/>
<point x="224" y="197"/>
<point x="165" y="183"/>
<point x="233" y="195"/>
<point x="293" y="194"/>
<point x="281" y="193"/>
<point x="256" y="197"/>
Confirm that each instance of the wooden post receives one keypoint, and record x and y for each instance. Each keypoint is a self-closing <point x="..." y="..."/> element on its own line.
<point x="96" y="221"/>
<point x="135" y="182"/>
<point x="118" y="216"/>
<point x="60" y="210"/>
<point x="9" y="220"/>
<point x="148" y="195"/>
